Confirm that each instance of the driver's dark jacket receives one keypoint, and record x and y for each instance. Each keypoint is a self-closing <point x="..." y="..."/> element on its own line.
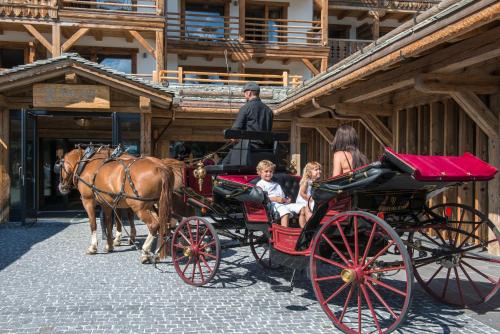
<point x="254" y="116"/>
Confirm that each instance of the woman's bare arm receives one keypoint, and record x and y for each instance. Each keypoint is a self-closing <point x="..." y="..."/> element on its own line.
<point x="303" y="191"/>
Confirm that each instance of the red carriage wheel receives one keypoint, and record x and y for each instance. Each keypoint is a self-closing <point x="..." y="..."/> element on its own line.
<point x="452" y="263"/>
<point x="259" y="245"/>
<point x="196" y="251"/>
<point x="361" y="273"/>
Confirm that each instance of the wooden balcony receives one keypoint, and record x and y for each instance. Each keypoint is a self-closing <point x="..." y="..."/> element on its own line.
<point x="220" y="29"/>
<point x="391" y="5"/>
<point x="142" y="7"/>
<point x="180" y="76"/>
<point x="35" y="9"/>
<point x="343" y="48"/>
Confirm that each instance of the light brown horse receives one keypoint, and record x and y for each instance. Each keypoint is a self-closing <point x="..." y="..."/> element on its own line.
<point x="107" y="184"/>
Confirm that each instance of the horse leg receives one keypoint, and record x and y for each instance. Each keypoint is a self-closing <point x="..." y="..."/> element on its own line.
<point x="118" y="237"/>
<point x="108" y="212"/>
<point x="133" y="232"/>
<point x="89" y="205"/>
<point x="153" y="224"/>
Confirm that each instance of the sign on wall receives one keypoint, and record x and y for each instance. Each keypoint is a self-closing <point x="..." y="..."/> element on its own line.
<point x="70" y="96"/>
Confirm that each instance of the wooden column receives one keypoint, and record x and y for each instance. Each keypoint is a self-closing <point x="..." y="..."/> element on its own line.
<point x="295" y="145"/>
<point x="146" y="115"/>
<point x="56" y="40"/>
<point x="450" y="141"/>
<point x="241" y="30"/>
<point x="375" y="24"/>
<point x="4" y="165"/>
<point x="160" y="52"/>
<point x="324" y="22"/>
<point x="494" y="185"/>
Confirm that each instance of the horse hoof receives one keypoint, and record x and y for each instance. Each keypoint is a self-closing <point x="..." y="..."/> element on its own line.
<point x="145" y="259"/>
<point x="108" y="249"/>
<point x="131" y="242"/>
<point x="91" y="250"/>
<point x="117" y="242"/>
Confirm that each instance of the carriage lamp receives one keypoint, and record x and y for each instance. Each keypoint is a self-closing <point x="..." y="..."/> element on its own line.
<point x="199" y="173"/>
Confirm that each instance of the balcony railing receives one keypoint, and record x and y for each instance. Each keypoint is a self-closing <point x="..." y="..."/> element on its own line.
<point x="205" y="77"/>
<point x="343" y="48"/>
<point x="151" y="7"/>
<point x="39" y="9"/>
<point x="403" y="5"/>
<point x="214" y="28"/>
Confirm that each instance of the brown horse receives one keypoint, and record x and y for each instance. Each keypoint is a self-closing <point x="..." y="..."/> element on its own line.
<point x="137" y="184"/>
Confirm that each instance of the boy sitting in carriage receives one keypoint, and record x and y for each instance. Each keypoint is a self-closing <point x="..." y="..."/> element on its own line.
<point x="280" y="202"/>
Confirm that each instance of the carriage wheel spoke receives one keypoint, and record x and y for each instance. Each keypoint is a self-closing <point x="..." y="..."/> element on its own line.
<point x="385" y="285"/>
<point x="326" y="278"/>
<point x="335" y="249"/>
<point x="197" y="231"/>
<point x="207" y="245"/>
<point x="379" y="297"/>
<point x="333" y="263"/>
<point x="180" y="246"/>
<point x="382" y="251"/>
<point x="208" y="255"/>
<point x="189" y="227"/>
<point x="446" y="283"/>
<point x="430" y="239"/>
<point x="194" y="270"/>
<point x="434" y="275"/>
<point x="201" y="271"/>
<point x="206" y="264"/>
<point x="346" y="304"/>
<point x="370" y="306"/>
<point x="333" y="295"/>
<point x="184" y="237"/>
<point x="440" y="237"/>
<point x="480" y="273"/>
<point x="360" y="301"/>
<point x="474" y="286"/>
<point x="346" y="244"/>
<point x="356" y="244"/>
<point x="381" y="270"/>
<point x="186" y="266"/>
<point x="180" y="258"/>
<point x="470" y="235"/>
<point x="479" y="258"/>
<point x="458" y="228"/>
<point x="459" y="286"/>
<point x="203" y="236"/>
<point x="369" y="244"/>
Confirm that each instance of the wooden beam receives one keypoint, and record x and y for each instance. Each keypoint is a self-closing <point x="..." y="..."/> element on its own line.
<point x="295" y="135"/>
<point x="324" y="64"/>
<point x="356" y="109"/>
<point x="32" y="30"/>
<point x="146" y="134"/>
<point x="378" y="129"/>
<point x="478" y="111"/>
<point x="310" y="66"/>
<point x="317" y="122"/>
<point x="444" y="83"/>
<point x="97" y="33"/>
<point x="494" y="185"/>
<point x="143" y="42"/>
<point x="325" y="133"/>
<point x="144" y="104"/>
<point x="73" y="39"/>
<point x="324" y="22"/>
<point x="242" y="19"/>
<point x="160" y="52"/>
<point x="56" y="39"/>
<point x="70" y="78"/>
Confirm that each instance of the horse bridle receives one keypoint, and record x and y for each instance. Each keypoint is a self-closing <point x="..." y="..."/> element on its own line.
<point x="59" y="166"/>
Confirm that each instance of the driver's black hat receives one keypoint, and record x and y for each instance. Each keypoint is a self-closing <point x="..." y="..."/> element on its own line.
<point x="251" y="86"/>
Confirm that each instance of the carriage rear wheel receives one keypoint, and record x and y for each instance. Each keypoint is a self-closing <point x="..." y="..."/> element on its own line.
<point x="452" y="263"/>
<point x="361" y="273"/>
<point x="196" y="251"/>
<point x="260" y="247"/>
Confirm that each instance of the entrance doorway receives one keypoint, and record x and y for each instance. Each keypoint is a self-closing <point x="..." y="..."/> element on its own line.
<point x="39" y="138"/>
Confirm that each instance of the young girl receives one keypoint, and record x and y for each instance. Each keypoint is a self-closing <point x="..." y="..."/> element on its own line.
<point x="346" y="155"/>
<point x="312" y="172"/>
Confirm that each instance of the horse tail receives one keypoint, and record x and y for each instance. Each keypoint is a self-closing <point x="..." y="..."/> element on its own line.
<point x="165" y="206"/>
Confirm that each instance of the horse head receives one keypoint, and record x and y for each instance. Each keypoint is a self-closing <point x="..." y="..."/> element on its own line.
<point x="66" y="168"/>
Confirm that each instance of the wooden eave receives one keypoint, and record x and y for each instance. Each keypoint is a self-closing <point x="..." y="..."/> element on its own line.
<point x="111" y="20"/>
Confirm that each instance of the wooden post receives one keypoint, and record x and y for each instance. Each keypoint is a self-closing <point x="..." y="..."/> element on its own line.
<point x="450" y="142"/>
<point x="285" y="79"/>
<point x="56" y="40"/>
<point x="324" y="22"/>
<point x="241" y="29"/>
<point x="295" y="145"/>
<point x="411" y="130"/>
<point x="324" y="64"/>
<point x="160" y="52"/>
<point x="146" y="115"/>
<point x="481" y="188"/>
<point x="494" y="185"/>
<point x="180" y="75"/>
<point x="375" y="24"/>
<point x="31" y="52"/>
<point x="4" y="165"/>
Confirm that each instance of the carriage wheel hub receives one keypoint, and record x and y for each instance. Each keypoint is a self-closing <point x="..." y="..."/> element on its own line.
<point x="188" y="252"/>
<point x="452" y="261"/>
<point x="348" y="275"/>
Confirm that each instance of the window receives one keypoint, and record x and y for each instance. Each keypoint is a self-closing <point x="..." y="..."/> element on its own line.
<point x="205" y="21"/>
<point x="11" y="57"/>
<point x="120" y="59"/>
<point x="191" y="78"/>
<point x="119" y="63"/>
<point x="338" y="31"/>
<point x="264" y="22"/>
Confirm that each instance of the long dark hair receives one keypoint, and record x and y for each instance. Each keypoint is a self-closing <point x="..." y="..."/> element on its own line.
<point x="346" y="139"/>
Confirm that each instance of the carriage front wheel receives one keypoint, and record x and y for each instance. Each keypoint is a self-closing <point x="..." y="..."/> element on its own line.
<point x="196" y="251"/>
<point x="361" y="273"/>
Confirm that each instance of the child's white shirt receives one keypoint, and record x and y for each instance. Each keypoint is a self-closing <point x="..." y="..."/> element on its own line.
<point x="273" y="189"/>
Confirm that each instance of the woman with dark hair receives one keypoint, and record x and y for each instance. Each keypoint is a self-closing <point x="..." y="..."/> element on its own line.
<point x="346" y="155"/>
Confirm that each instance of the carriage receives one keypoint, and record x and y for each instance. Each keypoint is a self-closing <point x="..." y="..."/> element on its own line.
<point x="371" y="233"/>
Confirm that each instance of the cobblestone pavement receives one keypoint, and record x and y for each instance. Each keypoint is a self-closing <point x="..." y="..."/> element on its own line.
<point x="48" y="285"/>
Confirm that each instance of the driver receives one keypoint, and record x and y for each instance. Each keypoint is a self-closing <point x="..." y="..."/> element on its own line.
<point x="254" y="115"/>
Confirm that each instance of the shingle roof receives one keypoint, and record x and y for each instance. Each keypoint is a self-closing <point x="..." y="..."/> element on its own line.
<point x="75" y="57"/>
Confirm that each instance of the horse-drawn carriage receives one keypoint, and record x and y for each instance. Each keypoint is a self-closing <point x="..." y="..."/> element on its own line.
<point x="371" y="232"/>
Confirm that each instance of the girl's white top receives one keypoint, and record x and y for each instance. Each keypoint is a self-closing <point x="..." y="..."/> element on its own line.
<point x="301" y="199"/>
